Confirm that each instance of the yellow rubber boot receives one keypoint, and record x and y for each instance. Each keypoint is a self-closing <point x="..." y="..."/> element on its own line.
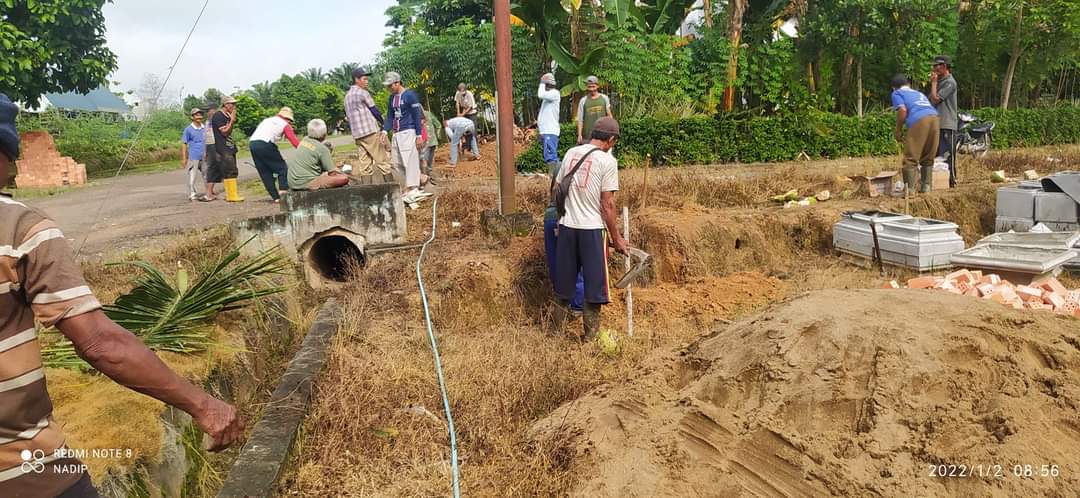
<point x="232" y="192"/>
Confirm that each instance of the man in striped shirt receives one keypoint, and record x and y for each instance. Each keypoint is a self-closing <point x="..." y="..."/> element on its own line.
<point x="40" y="281"/>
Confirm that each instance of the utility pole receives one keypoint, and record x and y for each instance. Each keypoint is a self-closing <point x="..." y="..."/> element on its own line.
<point x="505" y="103"/>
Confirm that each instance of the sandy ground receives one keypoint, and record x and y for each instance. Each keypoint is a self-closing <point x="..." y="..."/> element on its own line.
<point x="867" y="399"/>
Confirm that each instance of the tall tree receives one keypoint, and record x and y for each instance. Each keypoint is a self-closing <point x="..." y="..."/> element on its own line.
<point x="341" y="76"/>
<point x="736" y="10"/>
<point x="314" y="75"/>
<point x="52" y="47"/>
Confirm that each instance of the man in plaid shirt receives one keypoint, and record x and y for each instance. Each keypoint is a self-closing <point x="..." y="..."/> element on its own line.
<point x="365" y="121"/>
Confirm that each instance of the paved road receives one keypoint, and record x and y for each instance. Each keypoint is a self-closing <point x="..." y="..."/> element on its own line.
<point x="136" y="209"/>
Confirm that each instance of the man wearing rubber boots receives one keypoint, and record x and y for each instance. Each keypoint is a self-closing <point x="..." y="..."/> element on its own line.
<point x="914" y="110"/>
<point x="588" y="225"/>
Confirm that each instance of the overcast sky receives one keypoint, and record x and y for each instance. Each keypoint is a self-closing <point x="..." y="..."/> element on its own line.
<point x="239" y="42"/>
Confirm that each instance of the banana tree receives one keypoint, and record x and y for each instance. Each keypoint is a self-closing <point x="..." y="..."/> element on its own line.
<point x="545" y="17"/>
<point x="656" y="16"/>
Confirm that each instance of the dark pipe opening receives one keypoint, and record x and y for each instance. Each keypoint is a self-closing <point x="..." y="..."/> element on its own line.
<point x="335" y="257"/>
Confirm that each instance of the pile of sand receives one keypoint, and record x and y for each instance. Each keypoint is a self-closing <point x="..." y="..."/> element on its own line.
<point x="849" y="393"/>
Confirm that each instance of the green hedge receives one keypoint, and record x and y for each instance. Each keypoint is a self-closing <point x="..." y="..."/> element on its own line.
<point x="705" y="140"/>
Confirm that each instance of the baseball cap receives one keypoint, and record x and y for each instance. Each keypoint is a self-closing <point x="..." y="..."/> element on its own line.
<point x="194" y="111"/>
<point x="943" y="59"/>
<point x="592" y="80"/>
<point x="228" y="99"/>
<point x="390" y="78"/>
<point x="607" y="125"/>
<point x="9" y="137"/>
<point x="900" y="80"/>
<point x="360" y="72"/>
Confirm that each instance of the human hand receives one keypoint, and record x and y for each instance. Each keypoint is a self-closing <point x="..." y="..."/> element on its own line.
<point x="220" y="421"/>
<point x="620" y="245"/>
<point x="933" y="76"/>
<point x="899" y="136"/>
<point x="382" y="138"/>
<point x="420" y="143"/>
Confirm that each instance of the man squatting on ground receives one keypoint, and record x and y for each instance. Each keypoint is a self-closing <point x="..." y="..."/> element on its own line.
<point x="365" y="123"/>
<point x="583" y="240"/>
<point x="456" y="130"/>
<point x="267" y="156"/>
<point x="405" y="121"/>
<point x="547" y="125"/>
<point x="41" y="281"/>
<point x="591" y="108"/>
<point x="311" y="166"/>
<point x="222" y="124"/>
<point x="943" y="96"/>
<point x="193" y="152"/>
<point x="921" y="144"/>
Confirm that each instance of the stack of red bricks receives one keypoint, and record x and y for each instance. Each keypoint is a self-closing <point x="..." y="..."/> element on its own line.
<point x="41" y="165"/>
<point x="1044" y="293"/>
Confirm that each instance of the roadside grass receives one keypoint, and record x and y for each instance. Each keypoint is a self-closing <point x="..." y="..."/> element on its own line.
<point x="38" y="193"/>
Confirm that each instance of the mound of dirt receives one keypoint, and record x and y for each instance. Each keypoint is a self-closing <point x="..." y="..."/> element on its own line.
<point x="844" y="393"/>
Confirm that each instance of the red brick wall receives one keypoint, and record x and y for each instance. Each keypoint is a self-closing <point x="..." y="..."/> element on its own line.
<point x="41" y="165"/>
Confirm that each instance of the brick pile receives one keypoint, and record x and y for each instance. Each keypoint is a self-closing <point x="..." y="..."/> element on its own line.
<point x="41" y="165"/>
<point x="1044" y="293"/>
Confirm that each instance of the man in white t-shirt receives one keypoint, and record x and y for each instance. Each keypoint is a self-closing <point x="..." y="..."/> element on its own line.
<point x="589" y="224"/>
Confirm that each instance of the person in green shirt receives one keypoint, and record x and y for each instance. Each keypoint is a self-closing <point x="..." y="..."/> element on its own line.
<point x="592" y="107"/>
<point x="311" y="167"/>
<point x="427" y="155"/>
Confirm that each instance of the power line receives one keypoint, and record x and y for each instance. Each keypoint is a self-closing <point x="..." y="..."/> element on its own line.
<point x="142" y="125"/>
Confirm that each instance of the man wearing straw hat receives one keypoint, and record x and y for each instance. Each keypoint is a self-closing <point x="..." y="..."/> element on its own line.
<point x="264" y="151"/>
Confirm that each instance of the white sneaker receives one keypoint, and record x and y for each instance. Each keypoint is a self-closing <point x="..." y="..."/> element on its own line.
<point x="420" y="194"/>
<point x="410" y="197"/>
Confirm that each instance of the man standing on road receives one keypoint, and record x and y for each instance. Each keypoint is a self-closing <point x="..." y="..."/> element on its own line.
<point x="40" y="281"/>
<point x="921" y="144"/>
<point x="943" y="96"/>
<point x="365" y="122"/>
<point x="223" y="123"/>
<point x="591" y="108"/>
<point x="547" y="121"/>
<point x="193" y="152"/>
<point x="465" y="102"/>
<point x="213" y="167"/>
<point x="457" y="129"/>
<point x="405" y="121"/>
<point x="587" y="224"/>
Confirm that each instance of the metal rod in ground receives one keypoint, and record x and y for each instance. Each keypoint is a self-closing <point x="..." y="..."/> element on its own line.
<point x="629" y="288"/>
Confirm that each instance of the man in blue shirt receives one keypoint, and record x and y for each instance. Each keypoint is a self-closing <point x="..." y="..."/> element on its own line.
<point x="193" y="151"/>
<point x="914" y="110"/>
<point x="405" y="119"/>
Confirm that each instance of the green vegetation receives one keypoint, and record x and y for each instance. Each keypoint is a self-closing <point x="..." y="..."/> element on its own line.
<point x="706" y="140"/>
<point x="170" y="314"/>
<point x="52" y="47"/>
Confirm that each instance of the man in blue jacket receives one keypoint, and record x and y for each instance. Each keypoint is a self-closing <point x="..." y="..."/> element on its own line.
<point x="405" y="119"/>
<point x="923" y="128"/>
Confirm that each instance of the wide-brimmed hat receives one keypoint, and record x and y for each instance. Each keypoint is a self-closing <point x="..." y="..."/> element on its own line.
<point x="228" y="99"/>
<point x="194" y="111"/>
<point x="390" y="78"/>
<point x="286" y="112"/>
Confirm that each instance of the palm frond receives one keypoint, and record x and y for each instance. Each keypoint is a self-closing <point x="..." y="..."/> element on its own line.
<point x="175" y="317"/>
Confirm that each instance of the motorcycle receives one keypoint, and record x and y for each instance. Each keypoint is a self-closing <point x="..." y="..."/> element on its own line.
<point x="973" y="137"/>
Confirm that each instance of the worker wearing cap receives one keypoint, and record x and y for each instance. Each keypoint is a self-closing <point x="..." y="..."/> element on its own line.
<point x="914" y="110"/>
<point x="40" y="282"/>
<point x="405" y="120"/>
<point x="223" y="123"/>
<point x="365" y="123"/>
<point x="591" y="108"/>
<point x="193" y="153"/>
<point x="465" y="102"/>
<point x="267" y="156"/>
<point x="547" y="121"/>
<point x="943" y="96"/>
<point x="588" y="225"/>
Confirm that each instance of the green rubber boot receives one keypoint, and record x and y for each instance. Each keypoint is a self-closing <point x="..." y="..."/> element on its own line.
<point x="591" y="317"/>
<point x="909" y="179"/>
<point x="926" y="175"/>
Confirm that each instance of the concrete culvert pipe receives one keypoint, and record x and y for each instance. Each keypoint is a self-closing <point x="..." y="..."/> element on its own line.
<point x="332" y="257"/>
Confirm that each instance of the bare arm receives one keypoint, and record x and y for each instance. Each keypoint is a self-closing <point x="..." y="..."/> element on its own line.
<point x="122" y="357"/>
<point x="934" y="97"/>
<point x="227" y="129"/>
<point x="611" y="220"/>
<point x="183" y="155"/>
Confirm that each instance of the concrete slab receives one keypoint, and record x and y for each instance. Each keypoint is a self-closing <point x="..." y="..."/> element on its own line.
<point x="1053" y="240"/>
<point x="1016" y="202"/>
<point x="1054" y="207"/>
<point x="1029" y="260"/>
<point x="1006" y="224"/>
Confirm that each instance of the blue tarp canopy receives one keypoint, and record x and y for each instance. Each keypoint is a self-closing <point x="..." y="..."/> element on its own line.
<point x="98" y="100"/>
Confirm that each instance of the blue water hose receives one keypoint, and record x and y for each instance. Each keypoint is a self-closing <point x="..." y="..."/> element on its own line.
<point x="435" y="354"/>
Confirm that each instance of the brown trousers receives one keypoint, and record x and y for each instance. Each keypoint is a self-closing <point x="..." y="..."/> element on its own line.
<point x="371" y="154"/>
<point x="920" y="148"/>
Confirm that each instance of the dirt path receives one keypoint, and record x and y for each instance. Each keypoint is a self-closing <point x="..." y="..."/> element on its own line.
<point x="137" y="209"/>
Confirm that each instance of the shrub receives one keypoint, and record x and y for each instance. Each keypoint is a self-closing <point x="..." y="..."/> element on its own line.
<point x="727" y="139"/>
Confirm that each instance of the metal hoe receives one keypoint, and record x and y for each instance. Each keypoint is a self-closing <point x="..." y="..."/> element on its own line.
<point x="641" y="261"/>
